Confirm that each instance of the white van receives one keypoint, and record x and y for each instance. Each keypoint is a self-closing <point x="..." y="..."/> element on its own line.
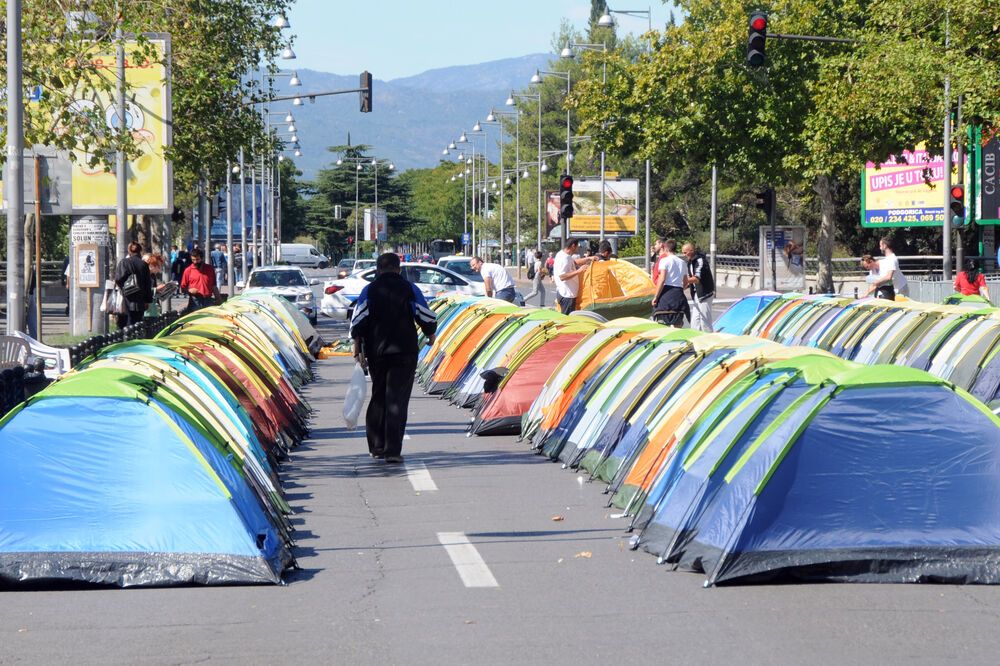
<point x="303" y="254"/>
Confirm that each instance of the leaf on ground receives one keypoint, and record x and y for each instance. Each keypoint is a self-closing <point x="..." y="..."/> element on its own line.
<point x="558" y="518"/>
<point x="585" y="553"/>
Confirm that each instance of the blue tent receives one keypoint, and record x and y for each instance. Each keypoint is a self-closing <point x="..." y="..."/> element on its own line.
<point x="122" y="490"/>
<point x="739" y="315"/>
<point x="780" y="487"/>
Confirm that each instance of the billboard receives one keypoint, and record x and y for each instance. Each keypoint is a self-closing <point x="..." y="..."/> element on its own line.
<point x="987" y="194"/>
<point x="905" y="191"/>
<point x="621" y="208"/>
<point x="789" y="255"/>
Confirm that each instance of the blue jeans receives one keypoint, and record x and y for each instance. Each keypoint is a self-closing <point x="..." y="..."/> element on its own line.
<point x="505" y="294"/>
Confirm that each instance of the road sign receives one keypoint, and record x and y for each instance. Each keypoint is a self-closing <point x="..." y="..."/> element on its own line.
<point x="466" y="239"/>
<point x="986" y="196"/>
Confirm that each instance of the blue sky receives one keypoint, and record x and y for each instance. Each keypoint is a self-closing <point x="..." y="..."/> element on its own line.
<point x="398" y="38"/>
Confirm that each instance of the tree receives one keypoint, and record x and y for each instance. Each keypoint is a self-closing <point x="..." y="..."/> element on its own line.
<point x="815" y="113"/>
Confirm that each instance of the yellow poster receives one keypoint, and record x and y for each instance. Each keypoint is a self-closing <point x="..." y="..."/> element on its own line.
<point x="148" y="119"/>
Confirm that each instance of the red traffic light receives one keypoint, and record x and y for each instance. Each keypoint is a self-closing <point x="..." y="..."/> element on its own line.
<point x="567" y="182"/>
<point x="957" y="191"/>
<point x="758" y="22"/>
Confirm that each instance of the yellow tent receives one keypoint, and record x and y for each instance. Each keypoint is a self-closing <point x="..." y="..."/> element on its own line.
<point x="615" y="288"/>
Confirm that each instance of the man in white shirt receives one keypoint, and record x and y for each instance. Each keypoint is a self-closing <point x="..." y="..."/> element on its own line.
<point x="497" y="280"/>
<point x="670" y="305"/>
<point x="565" y="273"/>
<point x="889" y="268"/>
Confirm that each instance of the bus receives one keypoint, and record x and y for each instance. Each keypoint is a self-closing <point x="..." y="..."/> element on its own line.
<point x="442" y="248"/>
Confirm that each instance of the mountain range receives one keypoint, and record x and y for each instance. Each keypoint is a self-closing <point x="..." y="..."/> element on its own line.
<point x="412" y="118"/>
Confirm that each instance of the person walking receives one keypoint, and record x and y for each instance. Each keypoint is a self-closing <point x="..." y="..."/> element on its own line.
<point x="702" y="287"/>
<point x="385" y="344"/>
<point x="237" y="262"/>
<point x="497" y="280"/>
<point x="537" y="273"/>
<point x="670" y="306"/>
<point x="133" y="279"/>
<point x="566" y="270"/>
<point x="219" y="263"/>
<point x="179" y="264"/>
<point x="198" y="282"/>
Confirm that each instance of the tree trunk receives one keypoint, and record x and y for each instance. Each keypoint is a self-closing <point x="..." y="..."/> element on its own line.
<point x="825" y="187"/>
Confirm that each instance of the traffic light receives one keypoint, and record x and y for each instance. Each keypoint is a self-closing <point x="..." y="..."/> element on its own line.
<point x="350" y="242"/>
<point x="957" y="204"/>
<point x="765" y="201"/>
<point x="757" y="39"/>
<point x="565" y="196"/>
<point x="366" y="92"/>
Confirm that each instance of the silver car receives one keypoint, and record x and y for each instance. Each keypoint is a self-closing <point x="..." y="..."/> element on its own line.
<point x="289" y="282"/>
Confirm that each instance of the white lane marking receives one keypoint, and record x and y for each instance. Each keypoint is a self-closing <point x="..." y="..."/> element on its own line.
<point x="419" y="477"/>
<point x="405" y="436"/>
<point x="467" y="560"/>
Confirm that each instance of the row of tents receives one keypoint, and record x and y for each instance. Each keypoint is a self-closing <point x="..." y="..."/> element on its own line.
<point x="957" y="341"/>
<point x="154" y="462"/>
<point x="733" y="455"/>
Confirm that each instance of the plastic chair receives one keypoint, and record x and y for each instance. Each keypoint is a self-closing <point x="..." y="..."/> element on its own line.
<point x="13" y="351"/>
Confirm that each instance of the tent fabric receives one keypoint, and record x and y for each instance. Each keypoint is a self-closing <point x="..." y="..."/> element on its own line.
<point x="165" y="507"/>
<point x="615" y="288"/>
<point x="183" y="487"/>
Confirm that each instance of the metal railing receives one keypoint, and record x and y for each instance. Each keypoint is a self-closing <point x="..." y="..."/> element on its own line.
<point x="52" y="272"/>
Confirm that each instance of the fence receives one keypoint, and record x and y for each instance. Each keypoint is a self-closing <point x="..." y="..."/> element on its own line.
<point x="52" y="272"/>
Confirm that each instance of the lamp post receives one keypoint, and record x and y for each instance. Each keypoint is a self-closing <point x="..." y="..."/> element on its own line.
<point x="465" y="139"/>
<point x="375" y="164"/>
<point x="608" y="21"/>
<point x="512" y="101"/>
<point x="537" y="78"/>
<point x="603" y="48"/>
<point x="493" y="118"/>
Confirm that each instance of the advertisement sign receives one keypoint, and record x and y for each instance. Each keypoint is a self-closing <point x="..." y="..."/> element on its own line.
<point x="987" y="195"/>
<point x="86" y="266"/>
<point x="906" y="191"/>
<point x="90" y="231"/>
<point x="621" y="208"/>
<point x="375" y="227"/>
<point x="148" y="118"/>
<point x="790" y="265"/>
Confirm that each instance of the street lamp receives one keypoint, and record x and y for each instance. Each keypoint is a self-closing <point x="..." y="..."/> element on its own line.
<point x="494" y="114"/>
<point x="512" y="101"/>
<point x="603" y="48"/>
<point x="564" y="227"/>
<point x="608" y="21"/>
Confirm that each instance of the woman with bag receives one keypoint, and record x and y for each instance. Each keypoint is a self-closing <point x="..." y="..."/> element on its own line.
<point x="536" y="272"/>
<point x="133" y="279"/>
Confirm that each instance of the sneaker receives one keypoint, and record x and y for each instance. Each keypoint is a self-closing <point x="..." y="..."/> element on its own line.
<point x="394" y="459"/>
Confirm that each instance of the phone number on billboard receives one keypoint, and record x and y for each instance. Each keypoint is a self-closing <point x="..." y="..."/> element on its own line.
<point x="925" y="218"/>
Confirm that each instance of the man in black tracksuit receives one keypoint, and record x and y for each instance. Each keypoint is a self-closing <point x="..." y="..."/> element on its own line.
<point x="385" y="339"/>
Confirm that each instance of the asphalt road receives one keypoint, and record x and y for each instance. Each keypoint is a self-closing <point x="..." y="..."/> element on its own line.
<point x="386" y="578"/>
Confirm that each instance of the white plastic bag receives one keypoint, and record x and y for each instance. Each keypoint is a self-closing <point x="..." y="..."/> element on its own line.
<point x="357" y="390"/>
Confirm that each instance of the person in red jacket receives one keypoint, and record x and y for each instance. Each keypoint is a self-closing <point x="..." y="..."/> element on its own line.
<point x="198" y="282"/>
<point x="971" y="281"/>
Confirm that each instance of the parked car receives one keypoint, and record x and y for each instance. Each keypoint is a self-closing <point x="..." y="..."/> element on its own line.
<point x="303" y="254"/>
<point x="339" y="295"/>
<point x="460" y="265"/>
<point x="289" y="282"/>
<point x="463" y="266"/>
<point x="348" y="266"/>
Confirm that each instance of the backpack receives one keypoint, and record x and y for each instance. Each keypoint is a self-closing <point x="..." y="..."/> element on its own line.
<point x="531" y="271"/>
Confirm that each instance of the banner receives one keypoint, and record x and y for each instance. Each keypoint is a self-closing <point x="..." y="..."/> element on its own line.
<point x="148" y="118"/>
<point x="905" y="191"/>
<point x="987" y="195"/>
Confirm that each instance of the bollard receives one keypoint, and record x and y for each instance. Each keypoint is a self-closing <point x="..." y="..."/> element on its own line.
<point x="855" y="293"/>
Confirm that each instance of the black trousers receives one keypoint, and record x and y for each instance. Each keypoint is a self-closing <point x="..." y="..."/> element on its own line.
<point x="385" y="420"/>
